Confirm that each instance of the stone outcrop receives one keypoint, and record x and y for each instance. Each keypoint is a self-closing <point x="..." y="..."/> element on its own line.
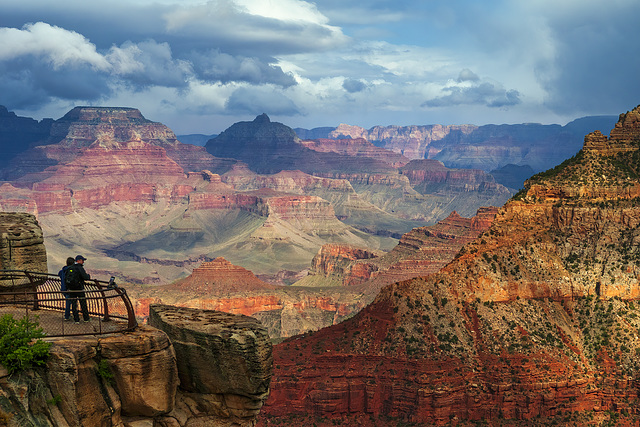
<point x="209" y="368"/>
<point x="104" y="380"/>
<point x="335" y="261"/>
<point x="534" y="318"/>
<point x="224" y="364"/>
<point x="21" y="243"/>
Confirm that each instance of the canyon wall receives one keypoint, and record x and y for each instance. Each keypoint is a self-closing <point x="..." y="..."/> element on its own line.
<point x="532" y="322"/>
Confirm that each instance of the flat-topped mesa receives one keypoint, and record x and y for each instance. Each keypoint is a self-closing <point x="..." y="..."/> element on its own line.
<point x="605" y="169"/>
<point x="105" y="115"/>
<point x="82" y="126"/>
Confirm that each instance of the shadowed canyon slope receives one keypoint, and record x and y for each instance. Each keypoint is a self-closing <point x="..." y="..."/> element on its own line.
<point x="124" y="191"/>
<point x="537" y="317"/>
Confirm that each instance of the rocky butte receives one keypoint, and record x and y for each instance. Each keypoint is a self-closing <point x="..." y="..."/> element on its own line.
<point x="535" y="321"/>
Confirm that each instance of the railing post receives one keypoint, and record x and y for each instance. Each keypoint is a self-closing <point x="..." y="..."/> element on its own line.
<point x="127" y="303"/>
<point x="34" y="286"/>
<point x="105" y="306"/>
<point x="42" y="292"/>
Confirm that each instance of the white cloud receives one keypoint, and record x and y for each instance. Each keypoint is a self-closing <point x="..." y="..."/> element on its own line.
<point x="58" y="46"/>
<point x="276" y="27"/>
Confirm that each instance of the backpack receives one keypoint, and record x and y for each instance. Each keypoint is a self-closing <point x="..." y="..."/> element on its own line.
<point x="63" y="281"/>
<point x="72" y="279"/>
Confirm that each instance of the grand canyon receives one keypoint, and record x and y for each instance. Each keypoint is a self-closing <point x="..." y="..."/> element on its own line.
<point x="399" y="278"/>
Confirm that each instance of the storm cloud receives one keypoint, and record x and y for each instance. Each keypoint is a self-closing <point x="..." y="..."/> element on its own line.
<point x="208" y="63"/>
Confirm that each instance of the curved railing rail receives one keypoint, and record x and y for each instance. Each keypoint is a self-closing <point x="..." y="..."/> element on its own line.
<point x="27" y="293"/>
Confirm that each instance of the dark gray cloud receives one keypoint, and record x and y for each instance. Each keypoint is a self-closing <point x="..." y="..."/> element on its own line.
<point x="260" y="100"/>
<point x="597" y="61"/>
<point x="28" y="82"/>
<point x="487" y="94"/>
<point x="353" y="86"/>
<point x="216" y="66"/>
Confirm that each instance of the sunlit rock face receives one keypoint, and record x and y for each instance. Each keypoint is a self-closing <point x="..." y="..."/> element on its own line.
<point x="535" y="318"/>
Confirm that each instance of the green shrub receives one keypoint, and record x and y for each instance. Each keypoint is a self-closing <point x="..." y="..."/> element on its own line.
<point x="18" y="351"/>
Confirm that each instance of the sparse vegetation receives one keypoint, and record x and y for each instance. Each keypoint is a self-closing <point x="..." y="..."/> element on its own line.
<point x="18" y="350"/>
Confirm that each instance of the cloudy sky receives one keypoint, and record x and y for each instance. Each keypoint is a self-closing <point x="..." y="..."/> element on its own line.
<point x="200" y="66"/>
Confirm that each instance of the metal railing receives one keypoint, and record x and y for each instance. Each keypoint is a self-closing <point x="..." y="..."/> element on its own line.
<point x="27" y="293"/>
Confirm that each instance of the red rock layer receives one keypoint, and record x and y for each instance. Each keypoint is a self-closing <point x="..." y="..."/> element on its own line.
<point x="220" y="275"/>
<point x="413" y="142"/>
<point x="420" y="252"/>
<point x="358" y="147"/>
<point x="425" y="173"/>
<point x="535" y="317"/>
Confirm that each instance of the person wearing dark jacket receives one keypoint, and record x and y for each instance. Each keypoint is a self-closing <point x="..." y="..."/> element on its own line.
<point x="63" y="288"/>
<point x="76" y="275"/>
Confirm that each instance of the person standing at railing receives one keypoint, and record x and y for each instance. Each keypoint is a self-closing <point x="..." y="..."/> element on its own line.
<point x="63" y="288"/>
<point x="75" y="277"/>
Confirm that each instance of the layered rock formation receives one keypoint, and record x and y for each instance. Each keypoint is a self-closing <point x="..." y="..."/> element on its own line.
<point x="21" y="243"/>
<point x="358" y="147"/>
<point x="534" y="318"/>
<point x="431" y="176"/>
<point x="206" y="368"/>
<point x="222" y="286"/>
<point x="220" y="276"/>
<point x="342" y="280"/>
<point x="485" y="147"/>
<point x="224" y="365"/>
<point x="420" y="252"/>
<point x="123" y="190"/>
<point x="413" y="142"/>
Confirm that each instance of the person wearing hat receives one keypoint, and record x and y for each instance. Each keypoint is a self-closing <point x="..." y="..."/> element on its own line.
<point x="76" y="275"/>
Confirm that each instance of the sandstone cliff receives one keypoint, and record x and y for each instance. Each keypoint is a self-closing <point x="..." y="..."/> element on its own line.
<point x="206" y="368"/>
<point x="534" y="318"/>
<point x="21" y="243"/>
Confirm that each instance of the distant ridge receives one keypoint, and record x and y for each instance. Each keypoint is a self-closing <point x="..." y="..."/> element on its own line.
<point x="486" y="147"/>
